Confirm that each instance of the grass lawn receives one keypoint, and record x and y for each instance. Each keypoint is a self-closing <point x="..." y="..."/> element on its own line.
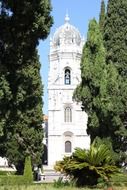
<point x="50" y="187"/>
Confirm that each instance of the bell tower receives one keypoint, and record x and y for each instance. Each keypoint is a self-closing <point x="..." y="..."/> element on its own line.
<point x="67" y="123"/>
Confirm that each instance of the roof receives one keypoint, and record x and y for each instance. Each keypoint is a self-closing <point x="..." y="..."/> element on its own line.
<point x="66" y="34"/>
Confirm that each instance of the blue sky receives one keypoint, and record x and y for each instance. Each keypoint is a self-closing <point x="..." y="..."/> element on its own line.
<point x="80" y="13"/>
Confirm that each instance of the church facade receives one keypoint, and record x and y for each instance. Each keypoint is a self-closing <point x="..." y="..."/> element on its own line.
<point x="67" y="123"/>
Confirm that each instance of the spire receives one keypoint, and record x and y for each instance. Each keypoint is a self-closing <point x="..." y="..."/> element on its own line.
<point x="67" y="19"/>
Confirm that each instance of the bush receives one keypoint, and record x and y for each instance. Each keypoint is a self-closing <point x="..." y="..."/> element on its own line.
<point x="61" y="183"/>
<point x="7" y="172"/>
<point x="11" y="180"/>
<point x="28" y="174"/>
<point x="85" y="167"/>
<point x="119" y="179"/>
<point x="26" y="178"/>
<point x="103" y="184"/>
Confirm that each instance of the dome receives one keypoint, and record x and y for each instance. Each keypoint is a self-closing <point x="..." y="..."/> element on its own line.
<point x="67" y="34"/>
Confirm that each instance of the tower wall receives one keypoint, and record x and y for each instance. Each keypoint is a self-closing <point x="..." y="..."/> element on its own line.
<point x="67" y="123"/>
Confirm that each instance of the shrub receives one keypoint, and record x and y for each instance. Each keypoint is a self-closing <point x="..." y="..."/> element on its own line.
<point x="85" y="167"/>
<point x="7" y="172"/>
<point x="26" y="178"/>
<point x="119" y="179"/>
<point x="61" y="183"/>
<point x="28" y="174"/>
<point x="11" y="180"/>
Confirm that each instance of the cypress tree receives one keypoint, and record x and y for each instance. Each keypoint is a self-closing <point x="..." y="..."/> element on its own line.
<point x="102" y="16"/>
<point x="5" y="96"/>
<point x="115" y="39"/>
<point x="28" y="174"/>
<point x="115" y="34"/>
<point x="25" y="119"/>
<point x="101" y="90"/>
<point x="22" y="25"/>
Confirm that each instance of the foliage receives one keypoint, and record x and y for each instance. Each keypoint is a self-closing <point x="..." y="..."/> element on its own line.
<point x="102" y="91"/>
<point x="26" y="178"/>
<point x="4" y="172"/>
<point x="115" y="34"/>
<point x="119" y="179"/>
<point x="61" y="183"/>
<point x="25" y="121"/>
<point x="108" y="144"/>
<point x="50" y="187"/>
<point x="5" y="96"/>
<point x="24" y="20"/>
<point x="22" y="25"/>
<point x="102" y="16"/>
<point x="28" y="174"/>
<point x="12" y="180"/>
<point x="87" y="166"/>
<point x="25" y="118"/>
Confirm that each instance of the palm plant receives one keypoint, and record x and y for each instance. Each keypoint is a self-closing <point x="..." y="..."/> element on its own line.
<point x="85" y="167"/>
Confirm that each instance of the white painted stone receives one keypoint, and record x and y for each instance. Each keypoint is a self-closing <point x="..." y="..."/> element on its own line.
<point x="3" y="162"/>
<point x="65" y="53"/>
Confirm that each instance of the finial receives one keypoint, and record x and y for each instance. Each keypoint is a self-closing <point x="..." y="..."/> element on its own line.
<point x="67" y="19"/>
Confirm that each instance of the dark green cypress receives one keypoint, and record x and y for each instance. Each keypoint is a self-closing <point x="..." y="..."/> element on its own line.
<point x="115" y="39"/>
<point x="115" y="34"/>
<point x="22" y="25"/>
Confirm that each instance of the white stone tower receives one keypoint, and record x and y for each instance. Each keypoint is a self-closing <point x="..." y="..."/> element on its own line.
<point x="66" y="121"/>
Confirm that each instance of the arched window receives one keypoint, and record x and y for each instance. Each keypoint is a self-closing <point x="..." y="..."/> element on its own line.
<point x="67" y="77"/>
<point x="67" y="114"/>
<point x="67" y="146"/>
